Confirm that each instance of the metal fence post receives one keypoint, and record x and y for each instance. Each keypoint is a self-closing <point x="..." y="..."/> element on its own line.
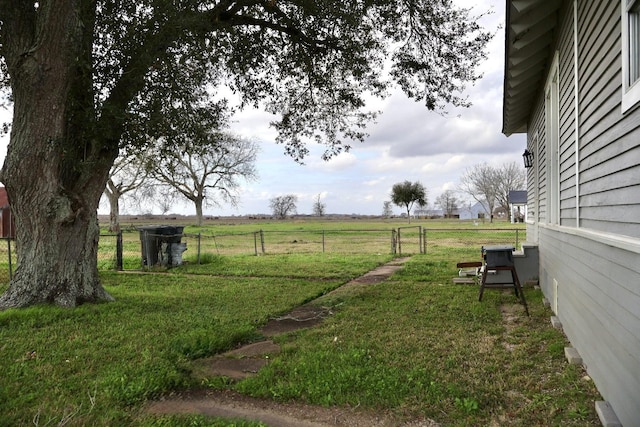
<point x="420" y="239"/>
<point x="424" y="240"/>
<point x="393" y="241"/>
<point x="322" y="241"/>
<point x="399" y="240"/>
<point x="255" y="242"/>
<point x="199" y="246"/>
<point x="147" y="252"/>
<point x="262" y="240"/>
<point x="119" y="251"/>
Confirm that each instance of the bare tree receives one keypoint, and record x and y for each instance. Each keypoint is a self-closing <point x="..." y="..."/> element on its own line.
<point x="406" y="194"/>
<point x="509" y="176"/>
<point x="448" y="202"/>
<point x="490" y="185"/>
<point x="128" y="175"/>
<point x="319" y="208"/>
<point x="479" y="181"/>
<point x="207" y="172"/>
<point x="164" y="197"/>
<point x="282" y="206"/>
<point x="387" y="210"/>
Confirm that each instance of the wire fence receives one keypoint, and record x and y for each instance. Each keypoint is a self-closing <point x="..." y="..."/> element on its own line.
<point x="135" y="250"/>
<point x="473" y="237"/>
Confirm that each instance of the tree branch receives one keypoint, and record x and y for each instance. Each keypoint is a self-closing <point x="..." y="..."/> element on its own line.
<point x="293" y="32"/>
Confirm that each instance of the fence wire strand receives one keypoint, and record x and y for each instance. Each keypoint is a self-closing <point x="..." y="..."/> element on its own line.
<point x="127" y="254"/>
<point x="403" y="241"/>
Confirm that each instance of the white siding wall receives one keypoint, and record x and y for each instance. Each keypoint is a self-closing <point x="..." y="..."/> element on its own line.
<point x="609" y="142"/>
<point x="598" y="303"/>
<point x="567" y="123"/>
<point x="596" y="262"/>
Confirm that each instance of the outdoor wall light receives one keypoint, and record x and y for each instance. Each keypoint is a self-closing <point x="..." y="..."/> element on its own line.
<point x="527" y="156"/>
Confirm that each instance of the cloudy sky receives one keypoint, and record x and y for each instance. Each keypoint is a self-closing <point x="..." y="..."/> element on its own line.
<point x="406" y="143"/>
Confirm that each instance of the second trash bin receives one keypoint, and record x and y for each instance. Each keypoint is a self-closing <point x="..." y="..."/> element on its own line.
<point x="161" y="245"/>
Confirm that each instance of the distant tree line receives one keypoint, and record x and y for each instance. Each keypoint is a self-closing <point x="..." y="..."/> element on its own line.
<point x="489" y="185"/>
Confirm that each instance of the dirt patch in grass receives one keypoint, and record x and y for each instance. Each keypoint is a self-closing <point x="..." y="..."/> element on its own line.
<point x="229" y="404"/>
<point x="301" y="317"/>
<point x="247" y="360"/>
<point x="511" y="314"/>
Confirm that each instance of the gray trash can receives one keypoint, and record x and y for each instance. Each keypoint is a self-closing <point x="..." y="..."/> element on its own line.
<point x="161" y="245"/>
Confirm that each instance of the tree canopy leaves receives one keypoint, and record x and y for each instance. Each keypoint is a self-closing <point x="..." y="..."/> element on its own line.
<point x="406" y="194"/>
<point x="312" y="63"/>
<point x="90" y="78"/>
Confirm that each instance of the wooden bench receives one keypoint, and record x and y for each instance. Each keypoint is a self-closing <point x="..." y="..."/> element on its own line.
<point x="470" y="276"/>
<point x="464" y="281"/>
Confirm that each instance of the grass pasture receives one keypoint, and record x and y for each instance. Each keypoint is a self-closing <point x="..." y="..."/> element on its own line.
<point x="414" y="346"/>
<point x="241" y="236"/>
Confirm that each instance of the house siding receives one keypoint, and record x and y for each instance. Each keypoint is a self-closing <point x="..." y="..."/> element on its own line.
<point x="567" y="150"/>
<point x="597" y="301"/>
<point x="609" y="142"/>
<point x="538" y="186"/>
<point x="590" y="261"/>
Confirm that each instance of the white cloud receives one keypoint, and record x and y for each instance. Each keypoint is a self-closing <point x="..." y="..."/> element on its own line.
<point x="374" y="182"/>
<point x="338" y="163"/>
<point x="453" y="186"/>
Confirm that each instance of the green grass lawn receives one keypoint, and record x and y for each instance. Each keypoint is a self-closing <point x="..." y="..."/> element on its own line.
<point x="95" y="364"/>
<point x="415" y="346"/>
<point x="418" y="345"/>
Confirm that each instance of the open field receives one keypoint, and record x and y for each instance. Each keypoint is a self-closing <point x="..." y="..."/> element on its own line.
<point x="415" y="346"/>
<point x="347" y="235"/>
<point x="264" y="236"/>
<point x="250" y="223"/>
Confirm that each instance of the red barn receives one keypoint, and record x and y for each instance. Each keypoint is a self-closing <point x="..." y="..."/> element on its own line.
<point x="7" y="227"/>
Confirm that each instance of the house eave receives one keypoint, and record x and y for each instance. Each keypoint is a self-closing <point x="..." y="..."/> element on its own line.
<point x="529" y="35"/>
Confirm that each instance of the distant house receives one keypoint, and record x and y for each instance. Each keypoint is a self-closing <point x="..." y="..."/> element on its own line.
<point x="572" y="84"/>
<point x="7" y="227"/>
<point x="435" y="213"/>
<point x="518" y="205"/>
<point x="477" y="211"/>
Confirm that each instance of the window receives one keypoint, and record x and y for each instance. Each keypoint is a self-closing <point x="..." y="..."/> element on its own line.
<point x="536" y="177"/>
<point x="552" y="116"/>
<point x="634" y="43"/>
<point x="630" y="53"/>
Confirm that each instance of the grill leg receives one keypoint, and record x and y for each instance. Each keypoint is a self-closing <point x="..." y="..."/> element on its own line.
<point x="519" y="290"/>
<point x="514" y="281"/>
<point x="484" y="279"/>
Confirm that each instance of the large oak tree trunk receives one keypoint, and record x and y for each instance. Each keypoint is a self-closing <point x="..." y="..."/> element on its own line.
<point x="56" y="168"/>
<point x="56" y="223"/>
<point x="57" y="232"/>
<point x="57" y="256"/>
